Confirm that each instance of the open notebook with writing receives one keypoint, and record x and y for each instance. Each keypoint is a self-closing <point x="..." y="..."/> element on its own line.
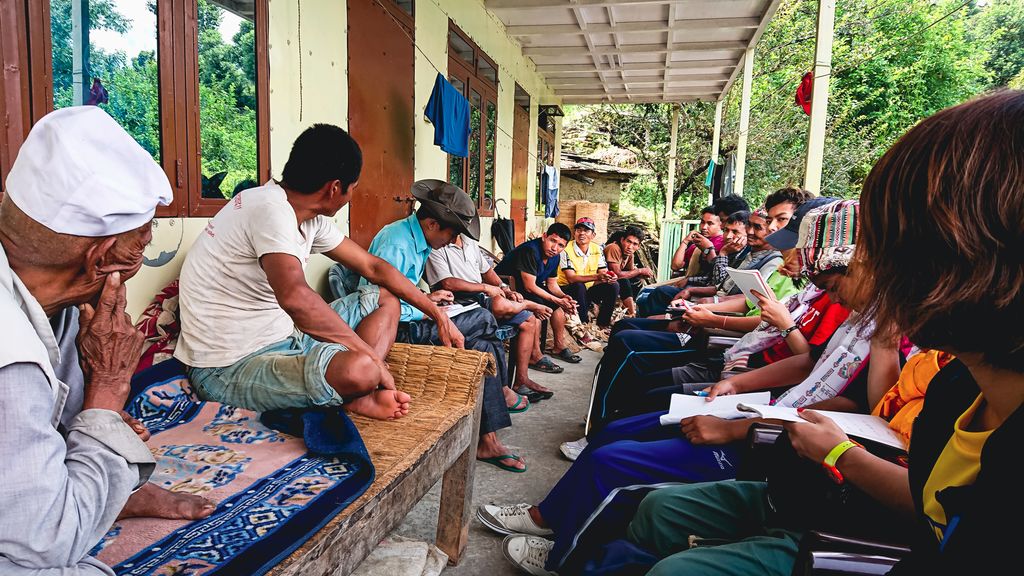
<point x="863" y="426"/>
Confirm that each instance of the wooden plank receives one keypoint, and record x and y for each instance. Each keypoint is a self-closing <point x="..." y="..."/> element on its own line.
<point x="456" y="508"/>
<point x="340" y="548"/>
<point x="620" y="27"/>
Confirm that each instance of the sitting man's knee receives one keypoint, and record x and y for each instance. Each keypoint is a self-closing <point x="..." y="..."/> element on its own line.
<point x="386" y="298"/>
<point x="353" y="373"/>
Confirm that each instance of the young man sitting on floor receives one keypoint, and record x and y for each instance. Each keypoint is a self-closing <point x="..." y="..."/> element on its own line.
<point x="619" y="255"/>
<point x="583" y="274"/>
<point x="254" y="334"/>
<point x="534" y="266"/>
<point x="462" y="269"/>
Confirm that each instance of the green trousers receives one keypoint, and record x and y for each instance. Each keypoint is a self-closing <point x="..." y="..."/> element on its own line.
<point x="734" y="512"/>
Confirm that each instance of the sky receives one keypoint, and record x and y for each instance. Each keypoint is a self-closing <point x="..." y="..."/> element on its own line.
<point x="142" y="35"/>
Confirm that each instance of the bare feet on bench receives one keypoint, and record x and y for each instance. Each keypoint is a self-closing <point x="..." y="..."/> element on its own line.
<point x="381" y="405"/>
<point x="152" y="501"/>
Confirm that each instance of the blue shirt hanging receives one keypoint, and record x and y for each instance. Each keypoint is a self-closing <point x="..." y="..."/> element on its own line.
<point x="448" y="111"/>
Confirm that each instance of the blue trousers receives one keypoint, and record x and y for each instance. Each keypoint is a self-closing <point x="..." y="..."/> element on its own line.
<point x="630" y="356"/>
<point x="629" y="452"/>
<point x="657" y="300"/>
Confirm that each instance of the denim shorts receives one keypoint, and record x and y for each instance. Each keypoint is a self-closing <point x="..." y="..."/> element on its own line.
<point x="286" y="374"/>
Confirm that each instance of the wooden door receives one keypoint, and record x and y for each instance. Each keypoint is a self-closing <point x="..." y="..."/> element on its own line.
<point x="381" y="113"/>
<point x="520" y="169"/>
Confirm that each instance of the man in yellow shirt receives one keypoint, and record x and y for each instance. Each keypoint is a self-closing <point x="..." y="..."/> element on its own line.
<point x="583" y="274"/>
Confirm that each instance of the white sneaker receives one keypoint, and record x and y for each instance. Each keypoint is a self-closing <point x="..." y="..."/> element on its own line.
<point x="513" y="519"/>
<point x="571" y="450"/>
<point x="528" y="553"/>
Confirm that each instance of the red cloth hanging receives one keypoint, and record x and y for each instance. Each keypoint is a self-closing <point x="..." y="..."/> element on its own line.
<point x="803" y="93"/>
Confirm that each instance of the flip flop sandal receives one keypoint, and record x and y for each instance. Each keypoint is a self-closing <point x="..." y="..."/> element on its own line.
<point x="568" y="356"/>
<point x="520" y="400"/>
<point x="496" y="461"/>
<point x="534" y="396"/>
<point x="546" y="365"/>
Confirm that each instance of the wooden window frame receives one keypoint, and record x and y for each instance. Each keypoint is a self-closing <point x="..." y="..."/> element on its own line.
<point x="30" y="88"/>
<point x="488" y="91"/>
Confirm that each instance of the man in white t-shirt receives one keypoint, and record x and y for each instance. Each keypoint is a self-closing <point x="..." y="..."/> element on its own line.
<point x="255" y="335"/>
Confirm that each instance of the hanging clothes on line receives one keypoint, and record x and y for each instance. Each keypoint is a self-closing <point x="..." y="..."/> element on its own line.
<point x="448" y="111"/>
<point x="549" y="190"/>
<point x="804" y="92"/>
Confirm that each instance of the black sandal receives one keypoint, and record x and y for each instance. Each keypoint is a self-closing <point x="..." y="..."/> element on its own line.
<point x="567" y="356"/>
<point x="546" y="365"/>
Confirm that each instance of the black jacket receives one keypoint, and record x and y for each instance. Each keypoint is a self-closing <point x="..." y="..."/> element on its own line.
<point x="979" y="544"/>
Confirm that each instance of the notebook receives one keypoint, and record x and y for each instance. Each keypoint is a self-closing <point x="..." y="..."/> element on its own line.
<point x="747" y="280"/>
<point x="684" y="406"/>
<point x="864" y="426"/>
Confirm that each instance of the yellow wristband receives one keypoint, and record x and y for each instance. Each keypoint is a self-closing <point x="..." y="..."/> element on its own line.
<point x="837" y="452"/>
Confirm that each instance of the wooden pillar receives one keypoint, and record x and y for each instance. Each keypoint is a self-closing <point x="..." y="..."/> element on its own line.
<point x="819" y="95"/>
<point x="673" y="140"/>
<point x="80" y="77"/>
<point x="741" y="144"/>
<point x="716" y="141"/>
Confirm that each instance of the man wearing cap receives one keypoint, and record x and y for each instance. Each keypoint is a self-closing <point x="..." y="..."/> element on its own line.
<point x="446" y="211"/>
<point x="583" y="274"/>
<point x="73" y="225"/>
<point x="253" y="332"/>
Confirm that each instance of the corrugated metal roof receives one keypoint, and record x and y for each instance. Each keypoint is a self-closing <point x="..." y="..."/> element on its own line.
<point x="593" y="51"/>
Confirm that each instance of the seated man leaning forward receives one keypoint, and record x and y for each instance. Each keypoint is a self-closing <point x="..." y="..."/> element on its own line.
<point x="462" y="269"/>
<point x="445" y="212"/>
<point x="534" y="266"/>
<point x="73" y="226"/>
<point x="254" y="334"/>
<point x="583" y="274"/>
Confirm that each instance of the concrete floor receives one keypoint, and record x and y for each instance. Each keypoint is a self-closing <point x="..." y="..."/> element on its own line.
<point x="535" y="435"/>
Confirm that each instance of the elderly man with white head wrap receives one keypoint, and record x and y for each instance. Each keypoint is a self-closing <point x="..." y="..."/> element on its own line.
<point x="73" y="225"/>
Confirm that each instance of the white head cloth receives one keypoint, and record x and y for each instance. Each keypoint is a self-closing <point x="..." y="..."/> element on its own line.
<point x="80" y="173"/>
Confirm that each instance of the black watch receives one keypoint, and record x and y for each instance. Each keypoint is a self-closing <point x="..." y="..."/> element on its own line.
<point x="785" y="333"/>
<point x="707" y="250"/>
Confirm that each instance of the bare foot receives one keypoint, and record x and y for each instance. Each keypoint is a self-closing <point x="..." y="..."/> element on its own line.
<point x="531" y="385"/>
<point x="152" y="501"/>
<point x="381" y="405"/>
<point x="491" y="447"/>
<point x="511" y="398"/>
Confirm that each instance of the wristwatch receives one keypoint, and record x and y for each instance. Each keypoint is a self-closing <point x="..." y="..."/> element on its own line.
<point x="707" y="250"/>
<point x="503" y="286"/>
<point x="788" y="331"/>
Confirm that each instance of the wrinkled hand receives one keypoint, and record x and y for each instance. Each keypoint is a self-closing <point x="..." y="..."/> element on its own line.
<point x="493" y="291"/>
<point x="723" y="388"/>
<point x="735" y="245"/>
<point x="773" y="311"/>
<point x="543" y="312"/>
<point x="816" y="437"/>
<point x="138" y="427"/>
<point x="646" y="272"/>
<point x="683" y="294"/>
<point x="387" y="380"/>
<point x="513" y="295"/>
<point x="708" y="430"/>
<point x="109" y="347"/>
<point x="450" y="335"/>
<point x="700" y="316"/>
<point x="438" y="296"/>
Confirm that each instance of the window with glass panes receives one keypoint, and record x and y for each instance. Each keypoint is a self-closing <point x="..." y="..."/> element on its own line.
<point x="475" y="75"/>
<point x="188" y="79"/>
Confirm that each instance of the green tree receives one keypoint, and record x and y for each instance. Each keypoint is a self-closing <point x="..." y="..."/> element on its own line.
<point x="999" y="26"/>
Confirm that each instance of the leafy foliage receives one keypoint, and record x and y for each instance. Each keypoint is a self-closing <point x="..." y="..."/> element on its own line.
<point x="227" y="86"/>
<point x="894" y="63"/>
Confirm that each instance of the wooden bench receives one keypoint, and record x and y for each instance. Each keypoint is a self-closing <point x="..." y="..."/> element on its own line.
<point x="438" y="438"/>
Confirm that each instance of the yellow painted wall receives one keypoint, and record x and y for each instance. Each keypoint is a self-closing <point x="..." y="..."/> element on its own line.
<point x="489" y="33"/>
<point x="323" y="77"/>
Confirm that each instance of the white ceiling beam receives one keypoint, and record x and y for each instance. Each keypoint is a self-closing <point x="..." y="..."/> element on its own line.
<point x="585" y="92"/>
<point x="677" y="75"/>
<point x="597" y="60"/>
<point x="680" y="67"/>
<point x="769" y="12"/>
<point x="635" y="99"/>
<point x="698" y="79"/>
<point x="633" y="49"/>
<point x="692" y="6"/>
<point x="625" y="27"/>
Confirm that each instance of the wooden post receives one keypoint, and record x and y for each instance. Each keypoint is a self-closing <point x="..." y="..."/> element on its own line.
<point x="456" y="508"/>
<point x="673" y="140"/>
<point x="819" y="95"/>
<point x="741" y="144"/>
<point x="80" y="77"/>
<point x="716" y="141"/>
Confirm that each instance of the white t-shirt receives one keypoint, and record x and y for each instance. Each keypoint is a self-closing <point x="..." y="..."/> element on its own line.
<point x="228" y="309"/>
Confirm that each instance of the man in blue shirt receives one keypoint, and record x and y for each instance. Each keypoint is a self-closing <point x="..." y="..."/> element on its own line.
<point x="446" y="211"/>
<point x="534" y="266"/>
